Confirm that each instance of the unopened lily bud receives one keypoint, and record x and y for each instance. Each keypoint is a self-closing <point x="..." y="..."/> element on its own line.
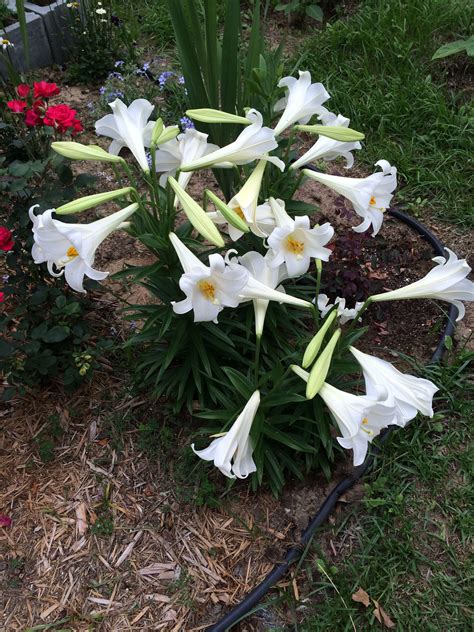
<point x="168" y="133"/>
<point x="314" y="346"/>
<point x="157" y="131"/>
<point x="197" y="215"/>
<point x="320" y="369"/>
<point x="343" y="134"/>
<point x="78" y="151"/>
<point x="89" y="201"/>
<point x="208" y="115"/>
<point x="229" y="213"/>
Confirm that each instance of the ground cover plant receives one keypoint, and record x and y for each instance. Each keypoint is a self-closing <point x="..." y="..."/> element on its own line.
<point x="417" y="129"/>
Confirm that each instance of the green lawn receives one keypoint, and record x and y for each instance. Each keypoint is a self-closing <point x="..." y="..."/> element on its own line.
<point x="377" y="66"/>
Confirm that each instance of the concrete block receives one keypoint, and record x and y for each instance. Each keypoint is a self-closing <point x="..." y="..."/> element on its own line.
<point x="39" y="49"/>
<point x="56" y="19"/>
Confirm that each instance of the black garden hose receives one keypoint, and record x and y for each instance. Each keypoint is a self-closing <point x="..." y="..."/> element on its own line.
<point x="279" y="570"/>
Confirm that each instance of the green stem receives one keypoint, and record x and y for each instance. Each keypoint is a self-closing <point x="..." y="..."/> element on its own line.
<point x="366" y="304"/>
<point x="319" y="271"/>
<point x="297" y="184"/>
<point x="257" y="359"/>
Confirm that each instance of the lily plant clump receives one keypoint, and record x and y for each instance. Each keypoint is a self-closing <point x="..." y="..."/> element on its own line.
<point x="238" y="330"/>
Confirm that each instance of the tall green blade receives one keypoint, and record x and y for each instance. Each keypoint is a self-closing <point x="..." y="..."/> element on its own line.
<point x="230" y="56"/>
<point x="20" y="10"/>
<point x="212" y="74"/>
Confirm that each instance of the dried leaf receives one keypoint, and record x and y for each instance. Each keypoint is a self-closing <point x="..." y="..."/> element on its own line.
<point x="382" y="616"/>
<point x="361" y="597"/>
<point x="81" y="518"/>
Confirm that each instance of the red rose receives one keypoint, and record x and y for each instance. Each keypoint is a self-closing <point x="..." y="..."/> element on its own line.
<point x="77" y="127"/>
<point x="6" y="239"/>
<point x="16" y="105"/>
<point x="44" y="89"/>
<point x="61" y="117"/>
<point x="32" y="118"/>
<point x="2" y="298"/>
<point x="23" y="90"/>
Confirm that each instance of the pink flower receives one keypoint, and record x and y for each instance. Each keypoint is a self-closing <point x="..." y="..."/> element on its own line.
<point x="23" y="90"/>
<point x="45" y="90"/>
<point x="6" y="239"/>
<point x="15" y="105"/>
<point x="5" y="521"/>
<point x="32" y="119"/>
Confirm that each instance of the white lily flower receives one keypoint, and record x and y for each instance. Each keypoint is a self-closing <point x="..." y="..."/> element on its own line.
<point x="446" y="282"/>
<point x="129" y="127"/>
<point x="210" y="288"/>
<point x="232" y="453"/>
<point x="70" y="248"/>
<point x="360" y="418"/>
<point x="370" y="196"/>
<point x="327" y="148"/>
<point x="262" y="274"/>
<point x="187" y="147"/>
<point x="245" y="205"/>
<point x="302" y="100"/>
<point x="294" y="242"/>
<point x="263" y="224"/>
<point x="409" y="394"/>
<point x="344" y="313"/>
<point x="253" y="143"/>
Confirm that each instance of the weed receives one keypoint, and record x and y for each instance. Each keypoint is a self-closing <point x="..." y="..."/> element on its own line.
<point x="47" y="439"/>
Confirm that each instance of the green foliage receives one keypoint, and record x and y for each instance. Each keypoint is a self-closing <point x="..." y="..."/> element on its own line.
<point x="5" y="15"/>
<point x="149" y="20"/>
<point x="415" y="518"/>
<point x="376" y="64"/>
<point x="300" y="9"/>
<point x="453" y="48"/>
<point x="98" y="38"/>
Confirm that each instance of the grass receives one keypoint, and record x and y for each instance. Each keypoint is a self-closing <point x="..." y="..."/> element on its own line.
<point x="377" y="66"/>
<point x="407" y="543"/>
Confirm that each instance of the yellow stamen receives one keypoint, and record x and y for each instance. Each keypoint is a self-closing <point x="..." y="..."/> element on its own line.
<point x="239" y="212"/>
<point x="365" y="421"/>
<point x="72" y="252"/>
<point x="373" y="201"/>
<point x="208" y="289"/>
<point x="294" y="246"/>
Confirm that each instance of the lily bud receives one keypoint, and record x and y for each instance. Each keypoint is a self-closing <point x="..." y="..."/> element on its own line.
<point x="157" y="131"/>
<point x="343" y="134"/>
<point x="78" y="151"/>
<point x="197" y="215"/>
<point x="208" y="115"/>
<point x="168" y="133"/>
<point x="89" y="201"/>
<point x="320" y="369"/>
<point x="229" y="214"/>
<point x="314" y="346"/>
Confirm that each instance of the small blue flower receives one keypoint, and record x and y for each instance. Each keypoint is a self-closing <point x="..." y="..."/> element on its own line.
<point x="163" y="78"/>
<point x="90" y="106"/>
<point x="115" y="75"/>
<point x="133" y="324"/>
<point x="5" y="278"/>
<point x="186" y="123"/>
<point x="145" y="66"/>
<point x="119" y="63"/>
<point x="148" y="158"/>
<point x="181" y="80"/>
<point x="102" y="90"/>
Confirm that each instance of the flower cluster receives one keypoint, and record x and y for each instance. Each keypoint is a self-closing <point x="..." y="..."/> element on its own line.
<point x="33" y="104"/>
<point x="276" y="247"/>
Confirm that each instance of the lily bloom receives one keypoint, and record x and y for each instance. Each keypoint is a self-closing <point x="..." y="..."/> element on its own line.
<point x="70" y="248"/>
<point x="189" y="146"/>
<point x="327" y="148"/>
<point x="360" y="418"/>
<point x="410" y="394"/>
<point x="208" y="289"/>
<point x="129" y="127"/>
<point x="294" y="242"/>
<point x="370" y="196"/>
<point x="302" y="100"/>
<point x="262" y="281"/>
<point x="253" y="143"/>
<point x="446" y="282"/>
<point x="345" y="314"/>
<point x="232" y="452"/>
